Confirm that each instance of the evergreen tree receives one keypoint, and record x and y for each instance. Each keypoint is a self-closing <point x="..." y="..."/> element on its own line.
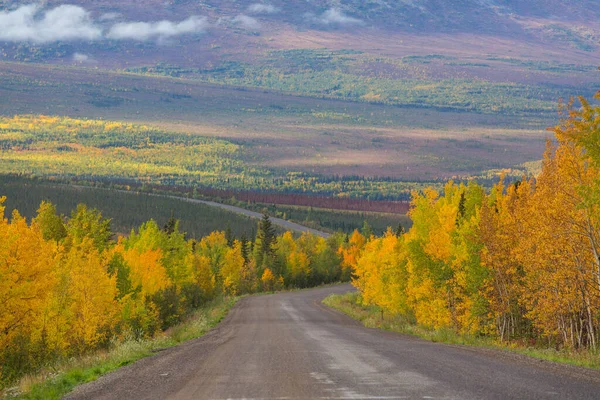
<point x="170" y="226"/>
<point x="461" y="209"/>
<point x="367" y="231"/>
<point x="266" y="233"/>
<point x="264" y="244"/>
<point x="229" y="235"/>
<point x="245" y="250"/>
<point x="400" y="230"/>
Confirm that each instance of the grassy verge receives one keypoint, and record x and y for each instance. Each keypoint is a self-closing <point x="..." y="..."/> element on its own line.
<point x="62" y="378"/>
<point x="372" y="317"/>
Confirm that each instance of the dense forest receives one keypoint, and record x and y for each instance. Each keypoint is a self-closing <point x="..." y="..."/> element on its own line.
<point x="134" y="208"/>
<point x="67" y="288"/>
<point x="520" y="263"/>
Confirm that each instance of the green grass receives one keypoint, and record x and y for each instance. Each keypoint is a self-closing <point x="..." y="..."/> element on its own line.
<point x="372" y="317"/>
<point x="61" y="379"/>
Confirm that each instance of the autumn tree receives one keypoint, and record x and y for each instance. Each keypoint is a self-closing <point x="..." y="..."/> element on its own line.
<point x="50" y="223"/>
<point x="86" y="223"/>
<point x="26" y="278"/>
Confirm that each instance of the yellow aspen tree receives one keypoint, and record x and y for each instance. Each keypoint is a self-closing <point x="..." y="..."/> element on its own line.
<point x="380" y="274"/>
<point x="203" y="275"/>
<point x="426" y="293"/>
<point x="560" y="282"/>
<point x="250" y="280"/>
<point x="26" y="279"/>
<point x="214" y="247"/>
<point x="298" y="265"/>
<point x="147" y="272"/>
<point x="284" y="246"/>
<point x="469" y="305"/>
<point x="501" y="231"/>
<point x="92" y="307"/>
<point x="350" y="252"/>
<point x="231" y="272"/>
<point x="268" y="280"/>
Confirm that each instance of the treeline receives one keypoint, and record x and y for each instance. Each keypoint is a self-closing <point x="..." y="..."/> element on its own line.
<point x="520" y="263"/>
<point x="67" y="288"/>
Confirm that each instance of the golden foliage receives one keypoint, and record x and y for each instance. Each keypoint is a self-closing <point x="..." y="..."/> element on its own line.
<point x="67" y="289"/>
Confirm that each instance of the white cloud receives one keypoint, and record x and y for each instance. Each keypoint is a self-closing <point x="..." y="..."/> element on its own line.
<point x="246" y="22"/>
<point x="29" y="24"/>
<point x="333" y="18"/>
<point x="259" y="8"/>
<point x="111" y="16"/>
<point x="32" y="23"/>
<point x="82" y="58"/>
<point x="157" y="30"/>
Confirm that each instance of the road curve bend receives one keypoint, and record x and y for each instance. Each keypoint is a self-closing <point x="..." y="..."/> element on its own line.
<point x="290" y="346"/>
<point x="291" y="226"/>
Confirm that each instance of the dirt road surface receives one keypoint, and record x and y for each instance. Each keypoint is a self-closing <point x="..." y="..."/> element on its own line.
<point x="290" y="346"/>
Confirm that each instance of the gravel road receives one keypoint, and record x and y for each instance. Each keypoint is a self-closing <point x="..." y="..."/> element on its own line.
<point x="290" y="346"/>
<point x="291" y="226"/>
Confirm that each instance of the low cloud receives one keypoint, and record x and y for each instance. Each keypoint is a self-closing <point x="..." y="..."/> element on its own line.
<point x="259" y="8"/>
<point x="161" y="30"/>
<point x="82" y="58"/>
<point x="333" y="18"/>
<point x="246" y="22"/>
<point x="111" y="16"/>
<point x="30" y="24"/>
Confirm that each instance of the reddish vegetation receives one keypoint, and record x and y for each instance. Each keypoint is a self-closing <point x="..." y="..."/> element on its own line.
<point x="336" y="203"/>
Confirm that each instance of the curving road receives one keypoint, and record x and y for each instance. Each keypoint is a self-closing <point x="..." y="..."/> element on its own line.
<point x="290" y="346"/>
<point x="292" y="226"/>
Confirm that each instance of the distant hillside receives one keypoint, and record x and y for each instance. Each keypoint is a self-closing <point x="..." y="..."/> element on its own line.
<point x="426" y="15"/>
<point x="561" y="20"/>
